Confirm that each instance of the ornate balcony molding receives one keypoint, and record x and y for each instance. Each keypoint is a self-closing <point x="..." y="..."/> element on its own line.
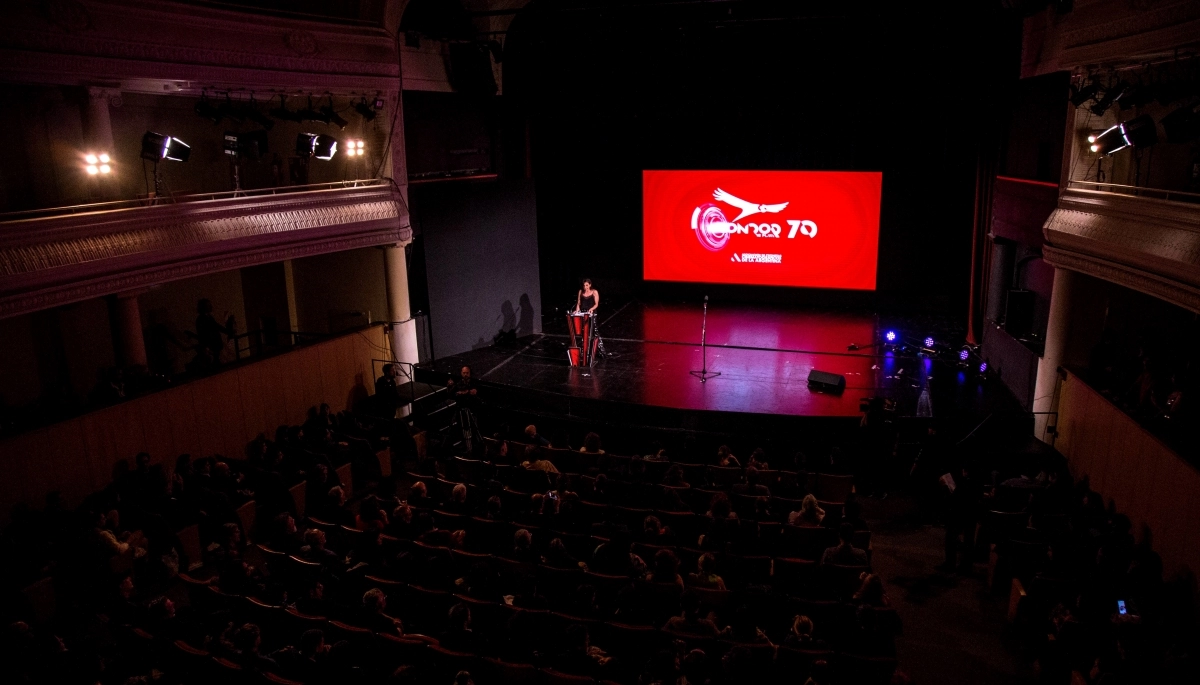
<point x="138" y="42"/>
<point x="56" y="260"/>
<point x="1142" y="243"/>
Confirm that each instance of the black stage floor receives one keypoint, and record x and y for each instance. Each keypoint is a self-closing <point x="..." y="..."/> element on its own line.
<point x="764" y="356"/>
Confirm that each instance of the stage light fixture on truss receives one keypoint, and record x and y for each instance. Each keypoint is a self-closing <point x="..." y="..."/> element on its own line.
<point x="890" y="336"/>
<point x="250" y="144"/>
<point x="157" y="147"/>
<point x="251" y="111"/>
<point x="332" y="117"/>
<point x="354" y="147"/>
<point x="928" y="342"/>
<point x="983" y="367"/>
<point x="310" y="114"/>
<point x="1111" y="95"/>
<point x="97" y="164"/>
<point x="1084" y="93"/>
<point x="206" y="110"/>
<point x="1137" y="132"/>
<point x="964" y="354"/>
<point x="367" y="112"/>
<point x="282" y="113"/>
<point x="321" y="146"/>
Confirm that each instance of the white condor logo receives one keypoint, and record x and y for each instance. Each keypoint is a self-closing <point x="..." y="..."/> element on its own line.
<point x="713" y="229"/>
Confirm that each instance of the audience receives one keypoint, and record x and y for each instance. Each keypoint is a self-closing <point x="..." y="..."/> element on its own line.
<point x="845" y="553"/>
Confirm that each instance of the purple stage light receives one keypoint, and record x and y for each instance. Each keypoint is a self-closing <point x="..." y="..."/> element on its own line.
<point x="983" y="367"/>
<point x="928" y="342"/>
<point x="964" y="354"/>
<point x="891" y="336"/>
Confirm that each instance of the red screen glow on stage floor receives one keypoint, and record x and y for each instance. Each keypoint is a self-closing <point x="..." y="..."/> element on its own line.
<point x="815" y="229"/>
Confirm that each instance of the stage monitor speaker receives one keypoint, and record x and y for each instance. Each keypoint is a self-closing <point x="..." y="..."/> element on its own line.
<point x="1018" y="314"/>
<point x="823" y="381"/>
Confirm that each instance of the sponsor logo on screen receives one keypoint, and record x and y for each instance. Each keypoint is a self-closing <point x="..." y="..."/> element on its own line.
<point x="713" y="228"/>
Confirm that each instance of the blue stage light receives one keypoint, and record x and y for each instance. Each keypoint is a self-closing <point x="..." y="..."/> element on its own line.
<point x="928" y="342"/>
<point x="983" y="367"/>
<point x="891" y="336"/>
<point x="964" y="354"/>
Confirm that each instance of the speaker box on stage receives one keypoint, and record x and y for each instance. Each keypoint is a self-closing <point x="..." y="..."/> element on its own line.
<point x="1018" y="314"/>
<point x="823" y="381"/>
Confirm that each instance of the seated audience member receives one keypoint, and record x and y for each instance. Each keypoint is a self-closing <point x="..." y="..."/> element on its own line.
<point x="312" y="602"/>
<point x="401" y="524"/>
<point x="522" y="549"/>
<point x="534" y="438"/>
<point x="655" y="533"/>
<point x="284" y="536"/>
<point x="247" y="641"/>
<point x="307" y="659"/>
<point x="493" y="509"/>
<point x="801" y="635"/>
<point x="314" y="550"/>
<point x="870" y="593"/>
<point x="496" y="451"/>
<point x="706" y="576"/>
<point x="758" y="460"/>
<point x="665" y="569"/>
<point x="810" y="514"/>
<point x="845" y="553"/>
<point x="459" y="636"/>
<point x="726" y="459"/>
<point x="418" y="495"/>
<point x="691" y="622"/>
<point x="335" y="508"/>
<point x="580" y="657"/>
<point x="535" y="460"/>
<point x="615" y="557"/>
<point x="373" y="615"/>
<point x="657" y="452"/>
<point x="852" y="512"/>
<point x="371" y="515"/>
<point x="458" y="500"/>
<point x="591" y="444"/>
<point x="557" y="556"/>
<point x="674" y="477"/>
<point x="719" y="508"/>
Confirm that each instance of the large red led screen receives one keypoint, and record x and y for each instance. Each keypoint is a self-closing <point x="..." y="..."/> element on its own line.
<point x="812" y="229"/>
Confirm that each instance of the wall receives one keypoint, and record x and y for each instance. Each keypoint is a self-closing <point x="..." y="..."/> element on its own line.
<point x="1141" y="476"/>
<point x="330" y="288"/>
<point x="481" y="255"/>
<point x="215" y="415"/>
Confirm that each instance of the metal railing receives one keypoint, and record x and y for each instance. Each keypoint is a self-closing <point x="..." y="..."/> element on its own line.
<point x="1139" y="191"/>
<point x="188" y="197"/>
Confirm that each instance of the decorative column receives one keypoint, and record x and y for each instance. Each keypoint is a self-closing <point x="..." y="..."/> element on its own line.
<point x="1045" y="393"/>
<point x="127" y="330"/>
<point x="403" y="326"/>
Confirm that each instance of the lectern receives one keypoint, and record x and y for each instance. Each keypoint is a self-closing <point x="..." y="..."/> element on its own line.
<point x="583" y="339"/>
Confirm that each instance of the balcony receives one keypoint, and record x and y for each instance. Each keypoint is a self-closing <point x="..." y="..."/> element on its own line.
<point x="1140" y="238"/>
<point x="57" y="256"/>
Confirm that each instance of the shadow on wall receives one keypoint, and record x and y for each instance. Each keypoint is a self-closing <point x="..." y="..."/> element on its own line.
<point x="514" y="323"/>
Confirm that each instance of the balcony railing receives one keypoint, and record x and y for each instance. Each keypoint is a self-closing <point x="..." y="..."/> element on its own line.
<point x="151" y="201"/>
<point x="1138" y="191"/>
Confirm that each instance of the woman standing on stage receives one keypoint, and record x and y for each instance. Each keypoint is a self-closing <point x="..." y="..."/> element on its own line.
<point x="587" y="300"/>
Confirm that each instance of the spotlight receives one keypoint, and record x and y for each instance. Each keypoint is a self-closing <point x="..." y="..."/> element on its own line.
<point x="320" y="146"/>
<point x="890" y="336"/>
<point x="251" y="112"/>
<point x="964" y="354"/>
<point x="928" y="342"/>
<point x="310" y="114"/>
<point x="332" y="117"/>
<point x="983" y="367"/>
<point x="366" y="111"/>
<point x="228" y="111"/>
<point x="1111" y="95"/>
<point x="250" y="144"/>
<point x="354" y="147"/>
<point x="97" y="164"/>
<point x="1182" y="125"/>
<point x="282" y="113"/>
<point x="205" y="110"/>
<point x="156" y="147"/>
<point x="1138" y="132"/>
<point x="1084" y="93"/>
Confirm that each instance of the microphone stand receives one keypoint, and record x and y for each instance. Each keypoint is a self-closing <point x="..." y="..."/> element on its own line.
<point x="704" y="374"/>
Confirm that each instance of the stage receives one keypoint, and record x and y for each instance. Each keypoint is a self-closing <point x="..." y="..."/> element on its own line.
<point x="764" y="356"/>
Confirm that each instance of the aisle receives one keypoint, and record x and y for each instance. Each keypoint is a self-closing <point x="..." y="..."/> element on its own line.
<point x="954" y="631"/>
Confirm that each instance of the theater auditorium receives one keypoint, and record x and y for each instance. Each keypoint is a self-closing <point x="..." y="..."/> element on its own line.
<point x="599" y="342"/>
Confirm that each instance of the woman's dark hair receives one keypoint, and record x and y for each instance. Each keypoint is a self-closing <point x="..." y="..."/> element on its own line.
<point x="588" y="281"/>
<point x="719" y="507"/>
<point x="591" y="442"/>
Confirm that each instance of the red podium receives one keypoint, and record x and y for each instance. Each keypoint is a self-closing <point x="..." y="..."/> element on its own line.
<point x="583" y="339"/>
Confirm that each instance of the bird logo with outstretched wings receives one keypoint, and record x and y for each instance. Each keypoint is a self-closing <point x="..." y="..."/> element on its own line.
<point x="748" y="208"/>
